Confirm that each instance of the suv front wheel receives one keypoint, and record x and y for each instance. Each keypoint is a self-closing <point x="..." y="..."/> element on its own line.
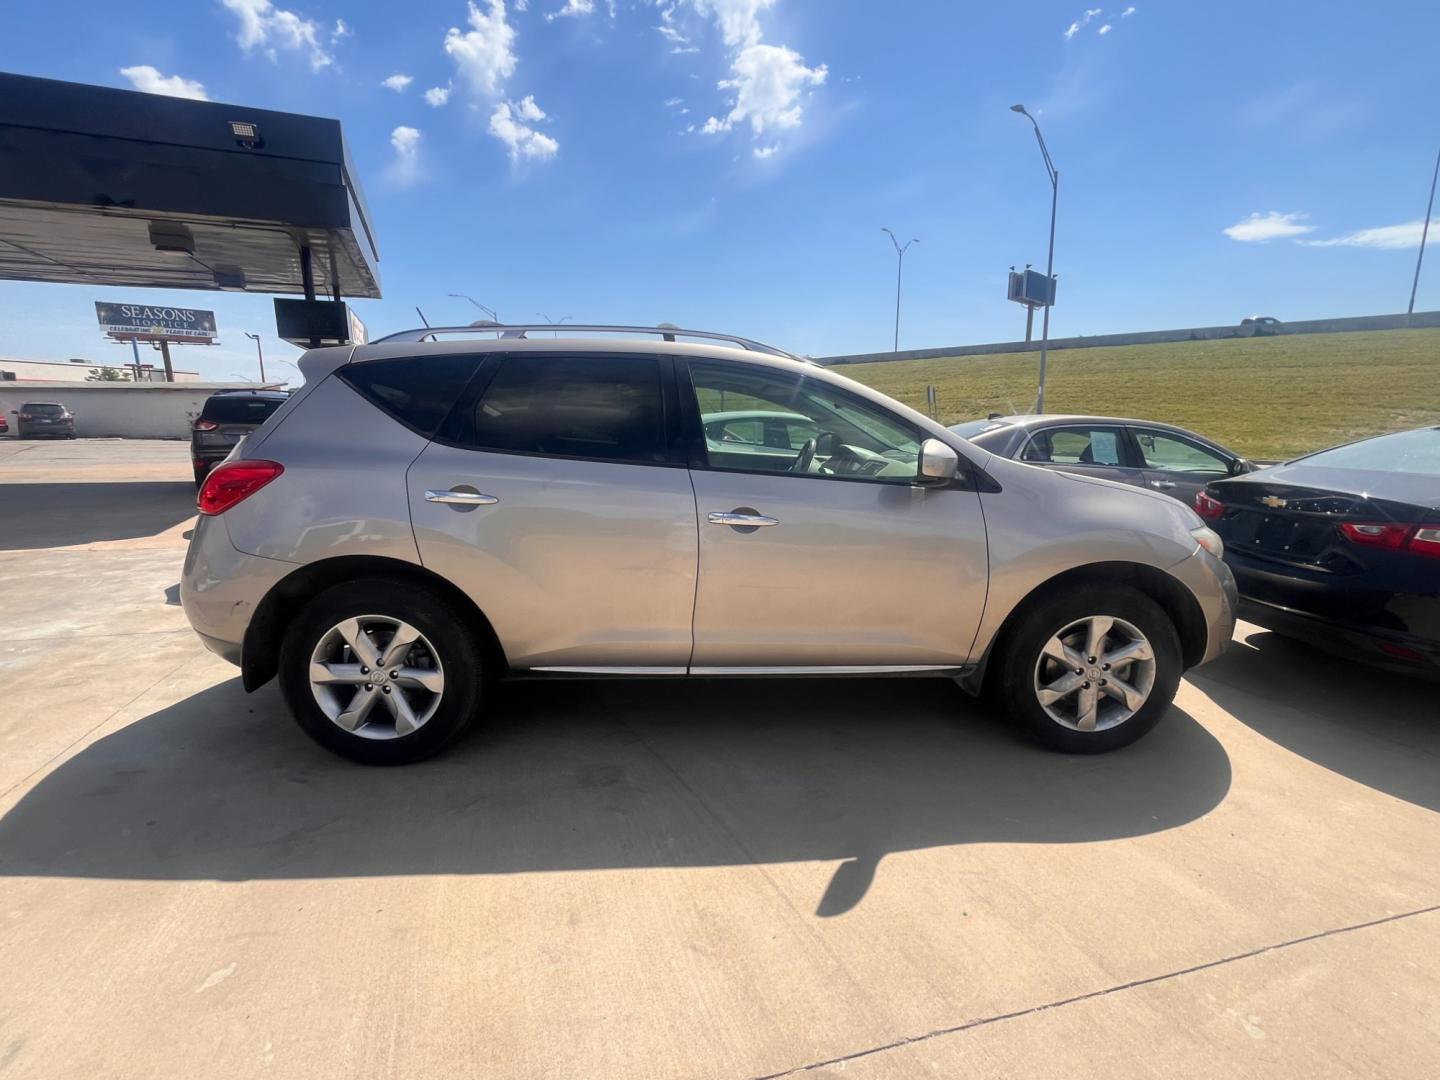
<point x="383" y="673"/>
<point x="1090" y="669"/>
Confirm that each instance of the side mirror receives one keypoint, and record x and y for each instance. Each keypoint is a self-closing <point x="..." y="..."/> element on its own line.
<point x="1239" y="467"/>
<point x="938" y="461"/>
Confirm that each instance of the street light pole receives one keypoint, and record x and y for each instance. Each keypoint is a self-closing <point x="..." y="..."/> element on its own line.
<point x="554" y="322"/>
<point x="258" y="352"/>
<point x="1054" y="175"/>
<point x="899" y="268"/>
<point x="478" y="304"/>
<point x="1424" y="235"/>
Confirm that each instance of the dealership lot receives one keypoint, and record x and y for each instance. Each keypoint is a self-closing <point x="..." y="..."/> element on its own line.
<point x="708" y="879"/>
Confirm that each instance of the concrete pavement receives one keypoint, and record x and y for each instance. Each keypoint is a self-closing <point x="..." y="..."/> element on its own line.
<point x="710" y="879"/>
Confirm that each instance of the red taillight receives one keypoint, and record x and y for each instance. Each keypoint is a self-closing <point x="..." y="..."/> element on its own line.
<point x="1422" y="540"/>
<point x="233" y="481"/>
<point x="1426" y="541"/>
<point x="205" y="425"/>
<point x="1375" y="534"/>
<point x="1208" y="507"/>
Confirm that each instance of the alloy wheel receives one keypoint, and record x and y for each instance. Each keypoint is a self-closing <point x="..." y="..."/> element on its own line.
<point x="1096" y="673"/>
<point x="376" y="677"/>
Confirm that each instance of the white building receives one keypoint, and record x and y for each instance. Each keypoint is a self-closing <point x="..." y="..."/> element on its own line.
<point x="125" y="410"/>
<point x="33" y="371"/>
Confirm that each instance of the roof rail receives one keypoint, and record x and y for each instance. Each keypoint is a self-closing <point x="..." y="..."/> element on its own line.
<point x="520" y="330"/>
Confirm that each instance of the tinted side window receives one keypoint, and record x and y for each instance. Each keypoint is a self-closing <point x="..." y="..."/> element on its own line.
<point x="417" y="391"/>
<point x="1171" y="453"/>
<point x="603" y="407"/>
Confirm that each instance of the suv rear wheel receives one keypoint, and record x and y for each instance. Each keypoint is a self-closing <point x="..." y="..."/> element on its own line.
<point x="381" y="672"/>
<point x="1091" y="669"/>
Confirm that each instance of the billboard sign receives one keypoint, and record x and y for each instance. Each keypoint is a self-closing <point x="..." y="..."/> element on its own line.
<point x="148" y="322"/>
<point x="1031" y="288"/>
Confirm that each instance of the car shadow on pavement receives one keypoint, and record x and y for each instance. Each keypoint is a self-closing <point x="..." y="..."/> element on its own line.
<point x="64" y="515"/>
<point x="573" y="775"/>
<point x="1379" y="729"/>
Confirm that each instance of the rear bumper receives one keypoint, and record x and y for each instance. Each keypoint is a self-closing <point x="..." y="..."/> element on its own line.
<point x="221" y="587"/>
<point x="1390" y="650"/>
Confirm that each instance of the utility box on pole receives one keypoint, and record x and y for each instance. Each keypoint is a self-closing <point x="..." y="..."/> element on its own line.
<point x="1031" y="288"/>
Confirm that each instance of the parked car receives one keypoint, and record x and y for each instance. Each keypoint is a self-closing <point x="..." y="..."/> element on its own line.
<point x="226" y="417"/>
<point x="425" y="517"/>
<point x="1342" y="548"/>
<point x="4" y="425"/>
<point x="779" y="433"/>
<point x="1140" y="453"/>
<point x="48" y="419"/>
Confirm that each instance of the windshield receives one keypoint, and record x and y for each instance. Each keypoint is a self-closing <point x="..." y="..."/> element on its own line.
<point x="1416" y="452"/>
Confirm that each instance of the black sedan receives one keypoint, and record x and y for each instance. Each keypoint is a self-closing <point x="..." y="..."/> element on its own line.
<point x="1342" y="548"/>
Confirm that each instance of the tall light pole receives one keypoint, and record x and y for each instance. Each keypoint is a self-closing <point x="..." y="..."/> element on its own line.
<point x="1054" y="175"/>
<point x="258" y="352"/>
<point x="478" y="304"/>
<point x="554" y="322"/>
<point x="899" y="266"/>
<point x="1424" y="235"/>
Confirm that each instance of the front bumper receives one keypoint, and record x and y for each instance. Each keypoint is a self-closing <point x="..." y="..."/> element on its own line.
<point x="220" y="587"/>
<point x="1213" y="586"/>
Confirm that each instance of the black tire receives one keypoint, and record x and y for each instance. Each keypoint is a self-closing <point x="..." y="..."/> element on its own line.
<point x="456" y="645"/>
<point x="1013" y="678"/>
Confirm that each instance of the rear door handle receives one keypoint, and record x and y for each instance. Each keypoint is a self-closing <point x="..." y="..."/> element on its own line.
<point x="460" y="498"/>
<point x="742" y="520"/>
<point x="1163" y="485"/>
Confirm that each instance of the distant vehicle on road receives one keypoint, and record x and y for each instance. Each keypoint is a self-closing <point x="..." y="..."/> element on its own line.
<point x="227" y="416"/>
<point x="1260" y="325"/>
<point x="1342" y="548"/>
<point x="780" y="432"/>
<point x="1141" y="453"/>
<point x="48" y="419"/>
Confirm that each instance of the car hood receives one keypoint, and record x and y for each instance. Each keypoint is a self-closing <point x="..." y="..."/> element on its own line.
<point x="1412" y="488"/>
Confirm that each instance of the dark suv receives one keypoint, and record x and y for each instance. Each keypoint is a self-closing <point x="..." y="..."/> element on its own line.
<point x="227" y="416"/>
<point x="36" y="418"/>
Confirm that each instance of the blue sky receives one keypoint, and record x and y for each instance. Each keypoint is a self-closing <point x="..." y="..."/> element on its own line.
<point x="728" y="164"/>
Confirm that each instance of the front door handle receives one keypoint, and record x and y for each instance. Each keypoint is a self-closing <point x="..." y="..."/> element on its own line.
<point x="743" y="518"/>
<point x="1163" y="485"/>
<point x="460" y="498"/>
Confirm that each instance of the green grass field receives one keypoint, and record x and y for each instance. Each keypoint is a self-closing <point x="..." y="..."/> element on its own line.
<point x="1263" y="397"/>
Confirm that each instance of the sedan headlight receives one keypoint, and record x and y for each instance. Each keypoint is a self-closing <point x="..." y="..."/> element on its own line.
<point x="1210" y="540"/>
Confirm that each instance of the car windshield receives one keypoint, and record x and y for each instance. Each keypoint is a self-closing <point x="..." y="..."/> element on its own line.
<point x="971" y="428"/>
<point x="45" y="410"/>
<point x="240" y="409"/>
<point x="1416" y="452"/>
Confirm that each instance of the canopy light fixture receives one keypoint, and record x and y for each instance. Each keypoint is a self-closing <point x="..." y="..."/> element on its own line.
<point x="171" y="238"/>
<point x="246" y="134"/>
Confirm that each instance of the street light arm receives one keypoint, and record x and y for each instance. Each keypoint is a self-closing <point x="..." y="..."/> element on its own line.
<point x="1045" y="153"/>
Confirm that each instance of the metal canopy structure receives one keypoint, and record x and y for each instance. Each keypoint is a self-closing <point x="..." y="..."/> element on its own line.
<point x="113" y="187"/>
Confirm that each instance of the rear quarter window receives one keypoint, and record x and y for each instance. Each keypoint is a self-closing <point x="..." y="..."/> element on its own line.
<point x="417" y="391"/>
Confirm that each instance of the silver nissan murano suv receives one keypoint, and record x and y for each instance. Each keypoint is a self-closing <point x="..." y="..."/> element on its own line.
<point x="441" y="509"/>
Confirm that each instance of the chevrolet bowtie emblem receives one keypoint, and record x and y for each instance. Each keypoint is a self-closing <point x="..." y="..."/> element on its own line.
<point x="1274" y="502"/>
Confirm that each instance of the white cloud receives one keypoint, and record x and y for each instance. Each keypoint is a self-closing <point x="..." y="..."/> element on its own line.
<point x="262" y="23"/>
<point x="437" y="97"/>
<point x="572" y="9"/>
<point x="1082" y="22"/>
<point x="674" y="102"/>
<point x="1105" y="29"/>
<point x="763" y="152"/>
<point x="342" y="30"/>
<point x="1128" y="12"/>
<point x="1262" y="228"/>
<point x="145" y="78"/>
<point x="769" y="82"/>
<point x="739" y="20"/>
<point x="485" y="54"/>
<point x="508" y="124"/>
<point x="1385" y="237"/>
<point x="398" y="82"/>
<point x="406" y="142"/>
<point x="522" y="5"/>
